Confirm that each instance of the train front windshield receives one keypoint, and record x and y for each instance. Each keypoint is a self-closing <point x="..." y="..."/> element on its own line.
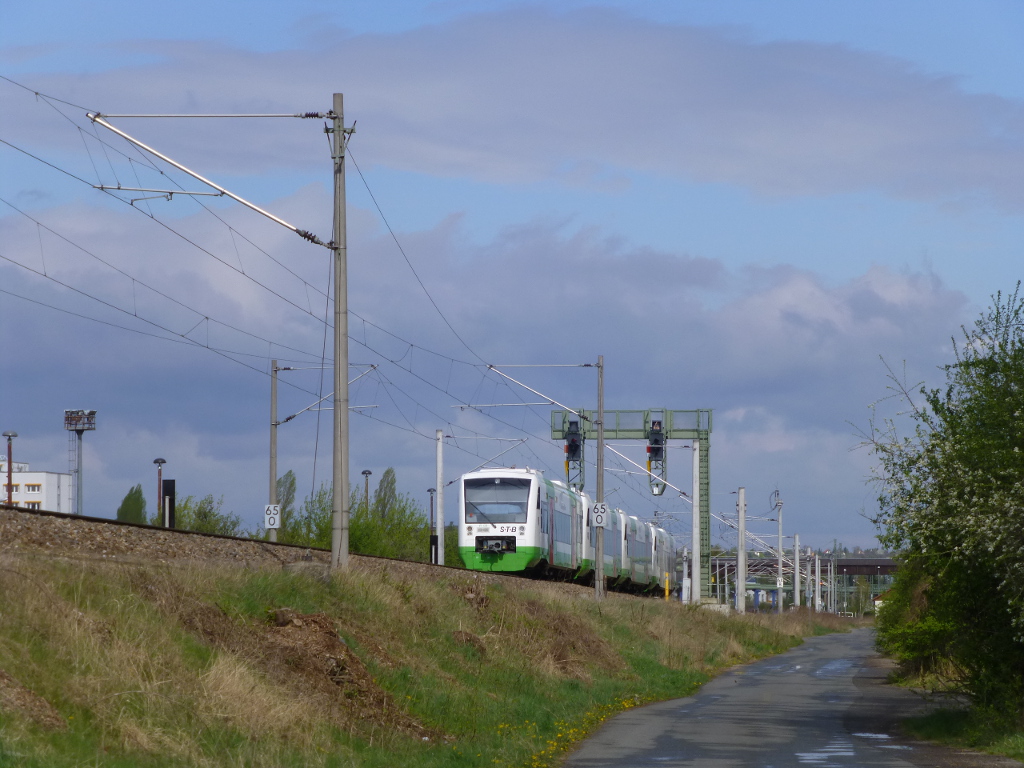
<point x="497" y="500"/>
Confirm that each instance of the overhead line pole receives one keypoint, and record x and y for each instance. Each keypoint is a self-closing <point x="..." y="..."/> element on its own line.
<point x="779" y="578"/>
<point x="340" y="505"/>
<point x="695" y="544"/>
<point x="796" y="570"/>
<point x="599" y="570"/>
<point x="741" y="551"/>
<point x="273" y="441"/>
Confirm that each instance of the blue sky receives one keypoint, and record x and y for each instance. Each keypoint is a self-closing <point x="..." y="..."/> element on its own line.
<point x="742" y="206"/>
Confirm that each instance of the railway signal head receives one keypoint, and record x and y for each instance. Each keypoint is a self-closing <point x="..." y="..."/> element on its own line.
<point x="656" y="442"/>
<point x="573" y="442"/>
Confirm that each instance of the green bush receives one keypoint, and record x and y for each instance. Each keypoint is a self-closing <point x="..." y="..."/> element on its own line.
<point x="952" y="501"/>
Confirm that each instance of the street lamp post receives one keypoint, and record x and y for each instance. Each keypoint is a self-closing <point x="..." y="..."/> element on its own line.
<point x="366" y="490"/>
<point x="160" y="487"/>
<point x="433" y="534"/>
<point x="10" y="488"/>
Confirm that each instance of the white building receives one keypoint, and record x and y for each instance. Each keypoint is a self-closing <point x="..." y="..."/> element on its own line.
<point x="37" y="490"/>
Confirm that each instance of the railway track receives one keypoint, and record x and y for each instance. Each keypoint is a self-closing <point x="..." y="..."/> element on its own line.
<point x="32" y="530"/>
<point x="35" y="532"/>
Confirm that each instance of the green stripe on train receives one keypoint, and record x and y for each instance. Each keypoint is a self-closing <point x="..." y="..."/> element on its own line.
<point x="520" y="560"/>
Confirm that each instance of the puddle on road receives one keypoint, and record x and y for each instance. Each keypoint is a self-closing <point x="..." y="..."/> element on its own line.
<point x="882" y="737"/>
<point x="835" y="668"/>
<point x="824" y="757"/>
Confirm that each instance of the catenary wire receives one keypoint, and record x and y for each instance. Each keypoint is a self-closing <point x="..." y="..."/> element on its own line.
<point x="157" y="291"/>
<point x="407" y="369"/>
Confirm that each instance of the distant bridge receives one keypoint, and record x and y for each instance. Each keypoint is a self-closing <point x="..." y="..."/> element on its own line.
<point x="850" y="566"/>
<point x="866" y="566"/>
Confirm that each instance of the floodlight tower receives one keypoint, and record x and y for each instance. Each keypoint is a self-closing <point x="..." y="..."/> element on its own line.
<point x="79" y="422"/>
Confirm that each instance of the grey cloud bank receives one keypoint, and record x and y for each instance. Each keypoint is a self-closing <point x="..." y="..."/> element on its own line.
<point x="582" y="101"/>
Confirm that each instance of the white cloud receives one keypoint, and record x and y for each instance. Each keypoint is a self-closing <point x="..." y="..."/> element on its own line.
<point x="528" y="94"/>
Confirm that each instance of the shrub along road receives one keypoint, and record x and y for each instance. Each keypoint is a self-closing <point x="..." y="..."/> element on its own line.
<point x="825" y="704"/>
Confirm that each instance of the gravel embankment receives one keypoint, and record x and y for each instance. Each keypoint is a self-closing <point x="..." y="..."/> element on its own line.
<point x="63" y="536"/>
<point x="22" y="531"/>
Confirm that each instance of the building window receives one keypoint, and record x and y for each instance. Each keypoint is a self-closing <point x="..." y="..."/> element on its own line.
<point x="33" y="504"/>
<point x="11" y="488"/>
<point x="29" y="488"/>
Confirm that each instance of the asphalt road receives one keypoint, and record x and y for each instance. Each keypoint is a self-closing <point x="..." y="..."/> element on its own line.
<point x="823" y="704"/>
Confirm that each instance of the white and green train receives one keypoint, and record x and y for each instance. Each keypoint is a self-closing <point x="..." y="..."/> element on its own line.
<point x="517" y="521"/>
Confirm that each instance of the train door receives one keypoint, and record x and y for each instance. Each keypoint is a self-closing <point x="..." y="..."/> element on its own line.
<point x="551" y="525"/>
<point x="573" y="540"/>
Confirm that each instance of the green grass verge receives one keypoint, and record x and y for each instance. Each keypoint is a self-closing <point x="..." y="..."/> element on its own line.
<point x="115" y="665"/>
<point x="973" y="729"/>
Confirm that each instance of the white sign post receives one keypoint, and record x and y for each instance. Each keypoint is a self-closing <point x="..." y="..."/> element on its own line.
<point x="599" y="518"/>
<point x="272" y="517"/>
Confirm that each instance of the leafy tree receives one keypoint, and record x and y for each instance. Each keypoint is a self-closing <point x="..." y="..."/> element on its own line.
<point x="133" y="506"/>
<point x="952" y="503"/>
<point x="451" y="547"/>
<point x="205" y="515"/>
<point x="391" y="525"/>
<point x="286" y="500"/>
<point x="386" y="498"/>
<point x="311" y="525"/>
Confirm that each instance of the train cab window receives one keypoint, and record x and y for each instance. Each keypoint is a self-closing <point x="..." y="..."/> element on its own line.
<point x="497" y="500"/>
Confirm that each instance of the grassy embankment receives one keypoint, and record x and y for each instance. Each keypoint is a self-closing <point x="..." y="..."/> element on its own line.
<point x="971" y="729"/>
<point x="121" y="665"/>
<point x="957" y="721"/>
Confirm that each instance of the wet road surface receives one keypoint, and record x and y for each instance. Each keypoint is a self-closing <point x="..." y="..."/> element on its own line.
<point x="824" y="704"/>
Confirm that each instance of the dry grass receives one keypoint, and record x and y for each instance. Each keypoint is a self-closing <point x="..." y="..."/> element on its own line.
<point x="215" y="667"/>
<point x="235" y="693"/>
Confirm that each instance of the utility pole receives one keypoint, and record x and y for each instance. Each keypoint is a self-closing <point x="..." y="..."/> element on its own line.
<point x="340" y="504"/>
<point x="439" y="484"/>
<point x="430" y="528"/>
<point x="10" y="488"/>
<point x="833" y="606"/>
<point x="817" y="583"/>
<point x="796" y="570"/>
<point x="273" y="441"/>
<point x="599" y="566"/>
<point x="695" y="553"/>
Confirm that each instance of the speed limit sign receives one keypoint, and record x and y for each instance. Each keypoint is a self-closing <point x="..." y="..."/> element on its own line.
<point x="599" y="515"/>
<point x="272" y="516"/>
